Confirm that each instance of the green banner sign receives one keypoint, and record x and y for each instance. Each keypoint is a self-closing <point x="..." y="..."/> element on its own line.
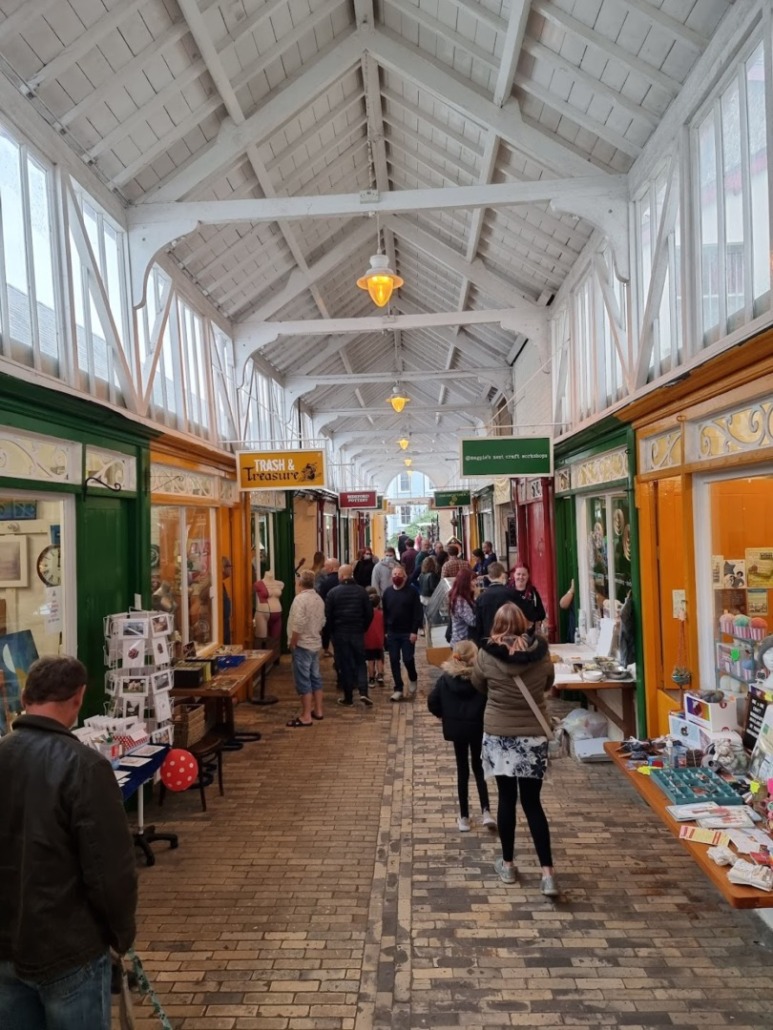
<point x="491" y="456"/>
<point x="452" y="498"/>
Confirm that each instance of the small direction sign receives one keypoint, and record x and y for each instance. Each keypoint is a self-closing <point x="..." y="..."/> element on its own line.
<point x="451" y="498"/>
<point x="281" y="470"/>
<point x="492" y="456"/>
<point x="357" y="499"/>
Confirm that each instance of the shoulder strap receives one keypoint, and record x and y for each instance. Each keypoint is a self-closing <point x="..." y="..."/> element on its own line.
<point x="534" y="707"/>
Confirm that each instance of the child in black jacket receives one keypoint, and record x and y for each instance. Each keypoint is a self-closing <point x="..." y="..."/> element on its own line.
<point x="458" y="704"/>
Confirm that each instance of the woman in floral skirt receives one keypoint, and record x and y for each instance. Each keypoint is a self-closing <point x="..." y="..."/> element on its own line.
<point x="515" y="748"/>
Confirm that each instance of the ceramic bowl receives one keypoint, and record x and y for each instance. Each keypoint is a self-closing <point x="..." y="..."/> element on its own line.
<point x="592" y="675"/>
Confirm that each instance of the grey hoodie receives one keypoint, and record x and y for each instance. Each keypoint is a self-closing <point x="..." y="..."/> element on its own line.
<point x="382" y="574"/>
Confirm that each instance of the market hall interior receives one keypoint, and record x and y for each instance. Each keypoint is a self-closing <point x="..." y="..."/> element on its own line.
<point x="330" y="889"/>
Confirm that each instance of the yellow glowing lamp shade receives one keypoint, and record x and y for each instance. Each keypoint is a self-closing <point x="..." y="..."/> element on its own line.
<point x="408" y="462"/>
<point x="380" y="280"/>
<point x="398" y="401"/>
<point x="404" y="443"/>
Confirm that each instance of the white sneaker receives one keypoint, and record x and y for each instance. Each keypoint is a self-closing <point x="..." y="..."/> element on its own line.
<point x="488" y="820"/>
<point x="463" y="824"/>
<point x="397" y="696"/>
<point x="411" y="689"/>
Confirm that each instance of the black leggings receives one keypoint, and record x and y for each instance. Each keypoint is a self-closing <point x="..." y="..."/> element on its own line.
<point x="508" y="787"/>
<point x="463" y="753"/>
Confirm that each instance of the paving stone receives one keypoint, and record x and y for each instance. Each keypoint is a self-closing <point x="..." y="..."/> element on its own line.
<point x="329" y="889"/>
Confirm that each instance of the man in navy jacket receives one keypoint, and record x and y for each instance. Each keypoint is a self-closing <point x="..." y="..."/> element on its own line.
<point x="403" y="616"/>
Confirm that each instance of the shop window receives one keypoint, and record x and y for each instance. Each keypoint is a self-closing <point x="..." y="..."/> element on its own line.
<point x="35" y="601"/>
<point x="734" y="517"/>
<point x="607" y="556"/>
<point x="182" y="566"/>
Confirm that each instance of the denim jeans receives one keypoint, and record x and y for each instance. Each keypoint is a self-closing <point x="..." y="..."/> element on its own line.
<point x="73" y="1000"/>
<point x="350" y="660"/>
<point x="306" y="670"/>
<point x="400" y="644"/>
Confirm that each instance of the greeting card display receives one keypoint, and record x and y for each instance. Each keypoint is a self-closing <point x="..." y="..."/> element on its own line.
<point x="139" y="676"/>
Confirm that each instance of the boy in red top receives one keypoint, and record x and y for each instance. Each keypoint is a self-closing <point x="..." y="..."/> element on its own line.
<point x="374" y="640"/>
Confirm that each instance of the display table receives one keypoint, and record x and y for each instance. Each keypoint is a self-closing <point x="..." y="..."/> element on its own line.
<point x="735" y="894"/>
<point x="139" y="775"/>
<point x="226" y="689"/>
<point x="595" y="689"/>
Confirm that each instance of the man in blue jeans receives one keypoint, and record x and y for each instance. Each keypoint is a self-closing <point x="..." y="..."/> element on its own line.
<point x="68" y="881"/>
<point x="403" y="616"/>
<point x="304" y="638"/>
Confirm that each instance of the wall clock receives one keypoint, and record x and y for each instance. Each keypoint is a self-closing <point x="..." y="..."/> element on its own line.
<point x="48" y="566"/>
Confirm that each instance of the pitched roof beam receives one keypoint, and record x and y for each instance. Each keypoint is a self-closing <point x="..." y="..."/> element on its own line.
<point x="455" y="39"/>
<point x="689" y="37"/>
<point x="232" y="140"/>
<point x="410" y="63"/>
<point x="511" y="51"/>
<point x="592" y="37"/>
<point x="590" y="82"/>
<point x="154" y="226"/>
<point x="577" y="116"/>
<point x="432" y="123"/>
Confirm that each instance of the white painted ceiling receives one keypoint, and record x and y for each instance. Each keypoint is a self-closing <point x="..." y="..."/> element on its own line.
<point x="193" y="100"/>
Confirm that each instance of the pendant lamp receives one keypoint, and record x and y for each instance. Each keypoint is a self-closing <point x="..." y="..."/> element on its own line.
<point x="398" y="400"/>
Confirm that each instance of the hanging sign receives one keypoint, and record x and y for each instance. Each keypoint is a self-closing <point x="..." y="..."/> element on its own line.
<point x="281" y="470"/>
<point x="492" y="456"/>
<point x="451" y="499"/>
<point x="357" y="499"/>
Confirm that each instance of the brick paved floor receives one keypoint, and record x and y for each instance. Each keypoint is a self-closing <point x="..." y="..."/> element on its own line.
<point x="330" y="889"/>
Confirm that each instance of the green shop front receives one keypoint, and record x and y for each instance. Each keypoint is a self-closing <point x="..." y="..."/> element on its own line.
<point x="74" y="530"/>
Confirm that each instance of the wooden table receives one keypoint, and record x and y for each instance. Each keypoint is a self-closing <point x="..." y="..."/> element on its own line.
<point x="227" y="688"/>
<point x="735" y="894"/>
<point x="594" y="689"/>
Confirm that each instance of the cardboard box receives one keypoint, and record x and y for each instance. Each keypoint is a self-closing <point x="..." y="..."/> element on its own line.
<point x="438" y="655"/>
<point x="713" y="716"/>
<point x="685" y="732"/>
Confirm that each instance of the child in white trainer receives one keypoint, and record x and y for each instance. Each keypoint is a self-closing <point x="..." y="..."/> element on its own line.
<point x="460" y="706"/>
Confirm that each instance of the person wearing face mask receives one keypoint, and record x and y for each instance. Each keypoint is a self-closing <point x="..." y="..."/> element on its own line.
<point x="403" y="615"/>
<point x="363" y="568"/>
<point x="527" y="596"/>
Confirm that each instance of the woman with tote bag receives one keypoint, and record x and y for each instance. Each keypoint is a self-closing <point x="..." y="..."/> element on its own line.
<point x="514" y="671"/>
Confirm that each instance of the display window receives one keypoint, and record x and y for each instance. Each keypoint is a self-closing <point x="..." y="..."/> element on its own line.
<point x="606" y="532"/>
<point x="37" y="588"/>
<point x="182" y="564"/>
<point x="734" y="566"/>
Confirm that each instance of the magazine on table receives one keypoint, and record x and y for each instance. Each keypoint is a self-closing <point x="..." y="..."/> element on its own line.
<point x="721" y="818"/>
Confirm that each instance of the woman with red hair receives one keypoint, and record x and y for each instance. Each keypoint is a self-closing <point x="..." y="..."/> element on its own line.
<point x="461" y="606"/>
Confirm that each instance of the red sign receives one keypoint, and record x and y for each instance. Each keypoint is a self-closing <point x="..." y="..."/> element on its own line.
<point x="357" y="499"/>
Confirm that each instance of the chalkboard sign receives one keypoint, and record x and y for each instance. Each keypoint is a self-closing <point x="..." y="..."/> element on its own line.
<point x="758" y="700"/>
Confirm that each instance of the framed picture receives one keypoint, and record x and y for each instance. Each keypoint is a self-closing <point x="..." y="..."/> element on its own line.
<point x="13" y="561"/>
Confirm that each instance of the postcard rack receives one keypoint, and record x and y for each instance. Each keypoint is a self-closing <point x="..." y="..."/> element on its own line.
<point x="139" y="676"/>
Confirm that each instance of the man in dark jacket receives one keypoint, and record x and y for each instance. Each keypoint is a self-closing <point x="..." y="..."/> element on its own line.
<point x="325" y="585"/>
<point x="68" y="882"/>
<point x="403" y="616"/>
<point x="348" y="613"/>
<point x="408" y="557"/>
<point x="491" y="600"/>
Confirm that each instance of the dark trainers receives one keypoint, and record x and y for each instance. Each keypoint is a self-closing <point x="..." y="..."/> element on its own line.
<point x="366" y="700"/>
<point x="344" y="702"/>
<point x="371" y="680"/>
<point x="380" y="679"/>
